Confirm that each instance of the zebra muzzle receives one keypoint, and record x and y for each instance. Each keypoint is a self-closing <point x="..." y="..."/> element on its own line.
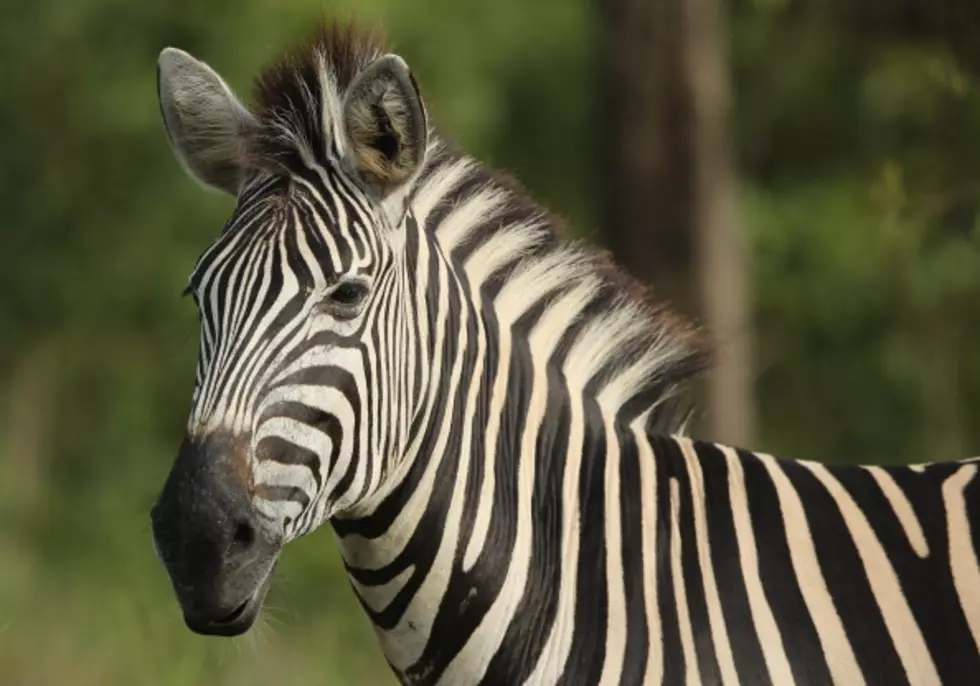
<point x="217" y="548"/>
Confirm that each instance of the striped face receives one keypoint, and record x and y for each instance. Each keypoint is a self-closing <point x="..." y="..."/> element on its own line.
<point x="287" y="295"/>
<point x="302" y="300"/>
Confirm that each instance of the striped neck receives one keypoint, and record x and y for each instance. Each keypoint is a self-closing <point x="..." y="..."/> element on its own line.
<point x="531" y="359"/>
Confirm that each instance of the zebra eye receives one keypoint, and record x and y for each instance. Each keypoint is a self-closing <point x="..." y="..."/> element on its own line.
<point x="345" y="300"/>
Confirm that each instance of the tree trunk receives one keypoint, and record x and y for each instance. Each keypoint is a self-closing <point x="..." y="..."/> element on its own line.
<point x="649" y="194"/>
<point x="671" y="215"/>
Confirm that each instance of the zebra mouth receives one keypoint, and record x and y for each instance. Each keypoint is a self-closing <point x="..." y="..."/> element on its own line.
<point x="233" y="623"/>
<point x="235" y="614"/>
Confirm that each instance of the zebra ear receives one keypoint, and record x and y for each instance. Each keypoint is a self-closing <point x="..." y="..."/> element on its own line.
<point x="385" y="123"/>
<point x="203" y="118"/>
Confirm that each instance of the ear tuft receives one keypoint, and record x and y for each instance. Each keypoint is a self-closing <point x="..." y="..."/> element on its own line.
<point x="385" y="124"/>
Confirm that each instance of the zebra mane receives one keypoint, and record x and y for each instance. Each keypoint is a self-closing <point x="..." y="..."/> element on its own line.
<point x="296" y="96"/>
<point x="623" y="348"/>
<point x="617" y="344"/>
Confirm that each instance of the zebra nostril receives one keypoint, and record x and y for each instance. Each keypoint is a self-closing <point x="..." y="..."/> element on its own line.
<point x="243" y="538"/>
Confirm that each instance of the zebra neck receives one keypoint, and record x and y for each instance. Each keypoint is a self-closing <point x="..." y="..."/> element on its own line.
<point x="533" y="369"/>
<point x="506" y="529"/>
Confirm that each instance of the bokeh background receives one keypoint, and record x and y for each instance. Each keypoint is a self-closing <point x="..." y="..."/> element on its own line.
<point x="831" y="145"/>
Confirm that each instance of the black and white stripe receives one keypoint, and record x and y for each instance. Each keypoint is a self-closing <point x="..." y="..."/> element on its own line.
<point x="494" y="440"/>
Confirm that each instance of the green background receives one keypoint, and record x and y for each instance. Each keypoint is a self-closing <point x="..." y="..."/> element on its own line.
<point x="857" y="128"/>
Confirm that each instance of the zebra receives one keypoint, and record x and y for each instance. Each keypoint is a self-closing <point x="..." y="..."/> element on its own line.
<point x="397" y="340"/>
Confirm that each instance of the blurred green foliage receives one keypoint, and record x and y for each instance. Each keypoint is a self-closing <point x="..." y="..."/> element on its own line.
<point x="856" y="128"/>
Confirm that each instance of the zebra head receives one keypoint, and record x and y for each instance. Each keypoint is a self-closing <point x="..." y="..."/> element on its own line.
<point x="301" y="288"/>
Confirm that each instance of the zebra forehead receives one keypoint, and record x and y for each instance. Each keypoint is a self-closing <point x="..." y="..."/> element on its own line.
<point x="298" y="216"/>
<point x="298" y="98"/>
